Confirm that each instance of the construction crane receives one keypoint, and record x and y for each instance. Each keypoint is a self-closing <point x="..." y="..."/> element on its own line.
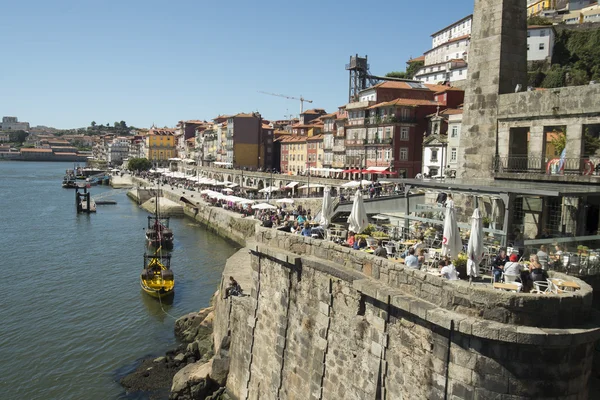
<point x="302" y="99"/>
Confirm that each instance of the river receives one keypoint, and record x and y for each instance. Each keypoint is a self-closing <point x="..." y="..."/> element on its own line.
<point x="72" y="314"/>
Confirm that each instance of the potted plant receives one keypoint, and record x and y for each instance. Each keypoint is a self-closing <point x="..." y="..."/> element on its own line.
<point x="460" y="264"/>
<point x="486" y="222"/>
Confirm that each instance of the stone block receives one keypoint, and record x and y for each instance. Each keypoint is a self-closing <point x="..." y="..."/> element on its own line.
<point x="420" y="308"/>
<point x="376" y="322"/>
<point x="459" y="373"/>
<point x="376" y="349"/>
<point x="324" y="308"/>
<point x="494" y="383"/>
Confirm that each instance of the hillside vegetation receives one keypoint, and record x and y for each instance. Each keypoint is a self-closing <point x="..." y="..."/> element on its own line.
<point x="576" y="60"/>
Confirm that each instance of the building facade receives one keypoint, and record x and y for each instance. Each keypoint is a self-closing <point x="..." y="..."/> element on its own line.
<point x="160" y="145"/>
<point x="540" y="43"/>
<point x="13" y="124"/>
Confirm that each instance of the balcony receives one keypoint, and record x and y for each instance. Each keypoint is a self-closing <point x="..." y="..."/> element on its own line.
<point x="582" y="169"/>
<point x="386" y="141"/>
<point x="327" y="146"/>
<point x="339" y="148"/>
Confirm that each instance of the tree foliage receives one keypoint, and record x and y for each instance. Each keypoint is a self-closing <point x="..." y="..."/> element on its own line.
<point x="413" y="68"/>
<point x="396" y="74"/>
<point x="591" y="143"/>
<point x="537" y="20"/>
<point x="18" y="136"/>
<point x="139" y="164"/>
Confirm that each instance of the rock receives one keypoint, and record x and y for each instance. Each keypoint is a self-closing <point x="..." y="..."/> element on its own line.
<point x="191" y="373"/>
<point x="160" y="359"/>
<point x="194" y="325"/>
<point x="192" y="349"/>
<point x="179" y="358"/>
<point x="220" y="369"/>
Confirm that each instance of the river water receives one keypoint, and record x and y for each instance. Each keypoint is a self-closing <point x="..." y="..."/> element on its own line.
<point x="72" y="314"/>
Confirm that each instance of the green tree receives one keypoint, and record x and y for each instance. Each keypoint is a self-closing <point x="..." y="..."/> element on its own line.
<point x="537" y="20"/>
<point x="559" y="142"/>
<point x="555" y="77"/>
<point x="123" y="125"/>
<point x="396" y="74"/>
<point x="93" y="124"/>
<point x="413" y="68"/>
<point x="18" y="136"/>
<point x="139" y="164"/>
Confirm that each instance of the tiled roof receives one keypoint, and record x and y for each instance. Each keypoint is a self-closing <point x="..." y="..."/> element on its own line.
<point x="436" y="88"/>
<point x="406" y="102"/>
<point x="315" y="137"/>
<point x="266" y="127"/>
<point x="449" y="89"/>
<point x="412" y="60"/>
<point x="315" y="111"/>
<point x="456" y="39"/>
<point x="36" y="150"/>
<point x="452" y="111"/>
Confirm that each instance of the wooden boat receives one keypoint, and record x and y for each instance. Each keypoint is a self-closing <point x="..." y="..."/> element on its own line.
<point x="157" y="279"/>
<point x="69" y="180"/>
<point x="158" y="233"/>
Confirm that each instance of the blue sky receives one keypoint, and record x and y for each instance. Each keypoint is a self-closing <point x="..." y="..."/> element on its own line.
<point x="66" y="63"/>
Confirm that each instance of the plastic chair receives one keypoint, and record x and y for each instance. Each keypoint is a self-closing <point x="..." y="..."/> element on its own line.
<point x="509" y="278"/>
<point x="540" y="287"/>
<point x="552" y="288"/>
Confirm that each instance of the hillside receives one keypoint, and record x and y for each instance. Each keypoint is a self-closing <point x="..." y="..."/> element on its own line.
<point x="576" y="58"/>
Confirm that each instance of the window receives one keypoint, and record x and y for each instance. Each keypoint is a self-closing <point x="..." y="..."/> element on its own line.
<point x="543" y="33"/>
<point x="404" y="153"/>
<point x="434" y="154"/>
<point x="528" y="47"/>
<point x="542" y="46"/>
<point x="460" y="71"/>
<point x="404" y="133"/>
<point x="453" y="154"/>
<point x="454" y="131"/>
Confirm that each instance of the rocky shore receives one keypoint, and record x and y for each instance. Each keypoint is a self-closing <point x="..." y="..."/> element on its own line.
<point x="192" y="370"/>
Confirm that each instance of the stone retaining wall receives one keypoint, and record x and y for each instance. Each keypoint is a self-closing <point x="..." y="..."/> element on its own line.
<point x="471" y="300"/>
<point x="314" y="329"/>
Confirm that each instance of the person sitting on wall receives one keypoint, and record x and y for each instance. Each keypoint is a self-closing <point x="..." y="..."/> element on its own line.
<point x="360" y="244"/>
<point x="234" y="288"/>
<point x="448" y="271"/>
<point x="307" y="231"/>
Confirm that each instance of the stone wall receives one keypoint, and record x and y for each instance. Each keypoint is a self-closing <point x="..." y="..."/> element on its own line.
<point x="325" y="324"/>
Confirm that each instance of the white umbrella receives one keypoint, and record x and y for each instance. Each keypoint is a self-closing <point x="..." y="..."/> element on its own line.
<point x="268" y="189"/>
<point x="312" y="186"/>
<point x="355" y="184"/>
<point x="327" y="208"/>
<point x="358" y="220"/>
<point x="475" y="246"/>
<point x="227" y="190"/>
<point x="264" y="206"/>
<point x="288" y="201"/>
<point x="451" y="242"/>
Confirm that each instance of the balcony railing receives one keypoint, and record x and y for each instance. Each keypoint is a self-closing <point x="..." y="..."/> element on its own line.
<point x="547" y="166"/>
<point x="388" y="119"/>
<point x="378" y="141"/>
<point x="327" y="146"/>
<point x="339" y="148"/>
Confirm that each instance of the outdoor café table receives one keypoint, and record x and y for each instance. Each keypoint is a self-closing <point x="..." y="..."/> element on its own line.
<point x="506" y="286"/>
<point x="565" y="285"/>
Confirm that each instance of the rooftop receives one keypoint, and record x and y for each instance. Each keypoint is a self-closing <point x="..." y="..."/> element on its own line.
<point x="452" y="24"/>
<point x="406" y="102"/>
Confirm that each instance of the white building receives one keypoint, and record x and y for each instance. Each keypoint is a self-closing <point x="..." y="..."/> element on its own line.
<point x="447" y="61"/>
<point x="435" y="149"/>
<point x="540" y="42"/>
<point x="13" y="124"/>
<point x="117" y="151"/>
<point x="4" y="137"/>
<point x="454" y="125"/>
<point x="591" y="15"/>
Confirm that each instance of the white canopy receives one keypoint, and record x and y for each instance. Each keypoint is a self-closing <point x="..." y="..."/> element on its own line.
<point x="291" y="185"/>
<point x="227" y="190"/>
<point x="375" y="169"/>
<point x="288" y="201"/>
<point x="264" y="206"/>
<point x="358" y="221"/>
<point x="475" y="246"/>
<point x="269" y="189"/>
<point x="451" y="242"/>
<point x="314" y="185"/>
<point x="355" y="184"/>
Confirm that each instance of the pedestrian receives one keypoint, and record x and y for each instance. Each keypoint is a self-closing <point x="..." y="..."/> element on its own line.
<point x="234" y="289"/>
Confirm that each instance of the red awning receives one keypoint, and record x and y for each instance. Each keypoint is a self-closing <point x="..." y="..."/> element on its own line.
<point x="351" y="170"/>
<point x="370" y="171"/>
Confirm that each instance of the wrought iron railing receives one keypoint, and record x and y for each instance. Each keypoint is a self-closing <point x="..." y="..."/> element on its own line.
<point x="547" y="166"/>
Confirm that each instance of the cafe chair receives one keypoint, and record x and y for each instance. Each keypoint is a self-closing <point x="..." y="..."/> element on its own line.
<point x="552" y="288"/>
<point x="540" y="287"/>
<point x="509" y="278"/>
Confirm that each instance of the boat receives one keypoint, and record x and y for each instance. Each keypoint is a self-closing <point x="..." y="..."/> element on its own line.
<point x="69" y="182"/>
<point x="157" y="279"/>
<point x="158" y="233"/>
<point x="84" y="206"/>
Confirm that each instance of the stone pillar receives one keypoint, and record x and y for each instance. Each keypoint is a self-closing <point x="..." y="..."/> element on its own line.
<point x="574" y="147"/>
<point x="536" y="151"/>
<point x="497" y="64"/>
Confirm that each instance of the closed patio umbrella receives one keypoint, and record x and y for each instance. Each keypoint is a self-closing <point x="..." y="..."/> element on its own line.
<point x="451" y="242"/>
<point x="327" y="208"/>
<point x="358" y="221"/>
<point x="475" y="246"/>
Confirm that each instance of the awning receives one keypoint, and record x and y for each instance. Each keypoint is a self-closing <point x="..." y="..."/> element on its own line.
<point x="375" y="169"/>
<point x="351" y="170"/>
<point x="175" y="159"/>
<point x="292" y="184"/>
<point x="314" y="185"/>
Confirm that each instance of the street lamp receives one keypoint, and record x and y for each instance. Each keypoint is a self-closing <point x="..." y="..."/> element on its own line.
<point x="308" y="185"/>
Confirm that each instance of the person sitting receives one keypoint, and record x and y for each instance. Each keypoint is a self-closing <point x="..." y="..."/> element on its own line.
<point x="448" y="271"/>
<point x="306" y="231"/>
<point x="498" y="264"/>
<point x="536" y="272"/>
<point x="234" y="289"/>
<point x="420" y="244"/>
<point x="513" y="267"/>
<point x="351" y="239"/>
<point x="360" y="244"/>
<point x="421" y="256"/>
<point x="412" y="261"/>
<point x="301" y="219"/>
<point x="267" y="223"/>
<point x="380" y="251"/>
<point x="543" y="256"/>
<point x="296" y="228"/>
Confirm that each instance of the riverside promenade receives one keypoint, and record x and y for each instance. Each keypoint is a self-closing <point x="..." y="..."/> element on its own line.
<point x="323" y="321"/>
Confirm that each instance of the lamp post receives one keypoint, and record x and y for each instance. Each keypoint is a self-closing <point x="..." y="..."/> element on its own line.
<point x="308" y="185"/>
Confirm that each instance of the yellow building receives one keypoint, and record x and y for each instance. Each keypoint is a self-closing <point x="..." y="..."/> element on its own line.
<point x="297" y="158"/>
<point x="536" y="7"/>
<point x="160" y="145"/>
